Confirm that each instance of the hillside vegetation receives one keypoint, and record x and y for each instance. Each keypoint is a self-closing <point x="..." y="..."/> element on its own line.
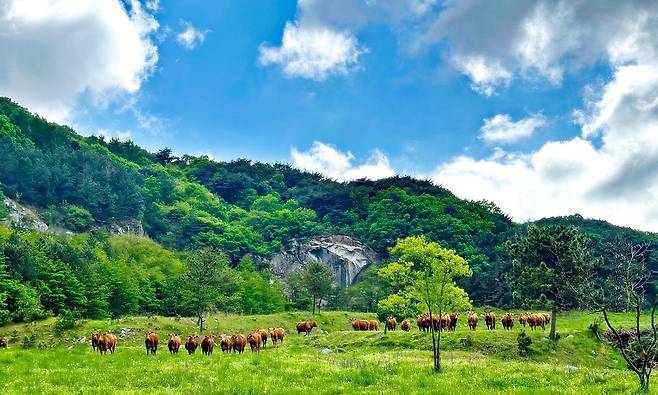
<point x="89" y="186"/>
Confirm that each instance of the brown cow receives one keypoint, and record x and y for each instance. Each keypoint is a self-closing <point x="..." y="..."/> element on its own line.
<point x="535" y="320"/>
<point x="507" y="320"/>
<point x="360" y="325"/>
<point x="490" y="319"/>
<point x="405" y="326"/>
<point x="391" y="323"/>
<point x="453" y="321"/>
<point x="254" y="341"/>
<point x="523" y="318"/>
<point x="306" y="327"/>
<point x="547" y="318"/>
<point x="277" y="334"/>
<point x="445" y="322"/>
<point x="107" y="342"/>
<point x="3" y="342"/>
<point x="472" y="320"/>
<point x="374" y="325"/>
<point x="95" y="336"/>
<point x="423" y="322"/>
<point x="239" y="342"/>
<point x="192" y="343"/>
<point x="151" y="340"/>
<point x="208" y="344"/>
<point x="225" y="342"/>
<point x="174" y="343"/>
<point x="263" y="336"/>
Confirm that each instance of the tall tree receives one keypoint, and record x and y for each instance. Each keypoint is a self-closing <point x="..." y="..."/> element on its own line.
<point x="202" y="281"/>
<point x="318" y="281"/>
<point x="426" y="272"/>
<point x="549" y="266"/>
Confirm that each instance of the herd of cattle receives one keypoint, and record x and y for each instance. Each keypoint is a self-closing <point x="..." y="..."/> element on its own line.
<point x="448" y="322"/>
<point x="104" y="342"/>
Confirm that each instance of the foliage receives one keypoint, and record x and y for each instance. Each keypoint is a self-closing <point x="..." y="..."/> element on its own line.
<point x="550" y="264"/>
<point x="318" y="280"/>
<point x="524" y="344"/>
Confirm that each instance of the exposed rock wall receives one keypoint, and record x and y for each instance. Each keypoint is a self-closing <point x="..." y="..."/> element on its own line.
<point x="23" y="217"/>
<point x="344" y="255"/>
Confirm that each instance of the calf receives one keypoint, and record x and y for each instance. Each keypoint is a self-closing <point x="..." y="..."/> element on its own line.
<point x="173" y="344"/>
<point x="405" y="326"/>
<point x="226" y="343"/>
<point x="490" y="320"/>
<point x="191" y="344"/>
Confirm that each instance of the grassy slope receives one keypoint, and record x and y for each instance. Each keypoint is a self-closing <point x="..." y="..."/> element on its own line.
<point x="475" y="362"/>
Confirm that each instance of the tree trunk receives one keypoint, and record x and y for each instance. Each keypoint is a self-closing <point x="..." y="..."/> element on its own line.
<point x="437" y="365"/>
<point x="438" y="343"/>
<point x="319" y="305"/>
<point x="200" y="322"/>
<point x="313" y="304"/>
<point x="553" y="315"/>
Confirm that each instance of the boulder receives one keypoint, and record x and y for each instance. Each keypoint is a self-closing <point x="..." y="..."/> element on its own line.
<point x="345" y="256"/>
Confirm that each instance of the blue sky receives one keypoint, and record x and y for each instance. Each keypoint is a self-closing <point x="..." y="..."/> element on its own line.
<point x="544" y="107"/>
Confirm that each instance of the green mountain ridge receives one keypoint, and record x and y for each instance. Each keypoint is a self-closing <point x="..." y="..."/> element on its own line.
<point x="242" y="207"/>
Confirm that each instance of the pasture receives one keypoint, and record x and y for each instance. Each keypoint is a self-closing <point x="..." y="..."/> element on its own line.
<point x="333" y="359"/>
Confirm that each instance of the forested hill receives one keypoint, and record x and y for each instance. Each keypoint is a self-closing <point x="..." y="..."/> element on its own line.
<point x="89" y="184"/>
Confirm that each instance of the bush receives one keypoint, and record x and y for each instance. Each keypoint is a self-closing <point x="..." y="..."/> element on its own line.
<point x="4" y="211"/>
<point x="67" y="320"/>
<point x="524" y="344"/>
<point x="595" y="327"/>
<point x="76" y="218"/>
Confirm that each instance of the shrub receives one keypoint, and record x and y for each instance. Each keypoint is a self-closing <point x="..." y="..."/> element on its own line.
<point x="595" y="327"/>
<point x="77" y="218"/>
<point x="67" y="320"/>
<point x="524" y="344"/>
<point x="4" y="211"/>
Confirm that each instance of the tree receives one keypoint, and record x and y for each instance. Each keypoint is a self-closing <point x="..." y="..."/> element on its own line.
<point x="549" y="266"/>
<point x="426" y="272"/>
<point x="202" y="280"/>
<point x="165" y="156"/>
<point x="628" y="279"/>
<point x="318" y="280"/>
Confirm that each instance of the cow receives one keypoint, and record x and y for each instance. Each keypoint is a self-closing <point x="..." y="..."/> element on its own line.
<point x="254" y="341"/>
<point x="436" y="322"/>
<point x="391" y="323"/>
<point x="360" y="325"/>
<point x="472" y="320"/>
<point x="95" y="336"/>
<point x="106" y="342"/>
<point x="405" y="326"/>
<point x="191" y="344"/>
<point x="547" y="318"/>
<point x="423" y="322"/>
<point x="453" y="321"/>
<point x="374" y="325"/>
<point x="208" y="344"/>
<point x="174" y="343"/>
<point x="263" y="336"/>
<point x="306" y="327"/>
<point x="523" y="318"/>
<point x="3" y="342"/>
<point x="507" y="320"/>
<point x="490" y="320"/>
<point x="239" y="342"/>
<point x="535" y="320"/>
<point x="151" y="340"/>
<point x="277" y="334"/>
<point x="225" y="343"/>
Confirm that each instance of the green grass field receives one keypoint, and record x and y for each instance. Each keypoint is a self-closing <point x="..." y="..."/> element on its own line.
<point x="359" y="362"/>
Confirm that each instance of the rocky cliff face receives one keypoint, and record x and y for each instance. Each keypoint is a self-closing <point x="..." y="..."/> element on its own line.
<point x="344" y="255"/>
<point x="23" y="217"/>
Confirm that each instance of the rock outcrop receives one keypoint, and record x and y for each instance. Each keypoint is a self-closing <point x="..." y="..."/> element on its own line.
<point x="344" y="255"/>
<point x="23" y="217"/>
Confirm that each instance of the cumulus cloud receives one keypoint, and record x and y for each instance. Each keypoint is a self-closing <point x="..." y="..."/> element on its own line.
<point x="121" y="135"/>
<point x="329" y="161"/>
<point x="55" y="50"/>
<point x="191" y="37"/>
<point x="501" y="129"/>
<point x="313" y="53"/>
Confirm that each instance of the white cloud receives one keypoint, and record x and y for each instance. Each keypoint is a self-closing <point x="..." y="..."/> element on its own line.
<point x="55" y="50"/>
<point x="313" y="53"/>
<point x="326" y="159"/>
<point x="121" y="135"/>
<point x="486" y="75"/>
<point x="501" y="128"/>
<point x="191" y="37"/>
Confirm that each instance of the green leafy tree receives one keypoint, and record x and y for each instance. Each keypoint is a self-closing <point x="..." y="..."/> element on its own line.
<point x="425" y="272"/>
<point x="318" y="280"/>
<point x="549" y="266"/>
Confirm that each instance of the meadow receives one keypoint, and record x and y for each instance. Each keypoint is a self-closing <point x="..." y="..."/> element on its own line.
<point x="43" y="358"/>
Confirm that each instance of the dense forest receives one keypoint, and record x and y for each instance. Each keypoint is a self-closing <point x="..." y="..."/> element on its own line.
<point x="84" y="187"/>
